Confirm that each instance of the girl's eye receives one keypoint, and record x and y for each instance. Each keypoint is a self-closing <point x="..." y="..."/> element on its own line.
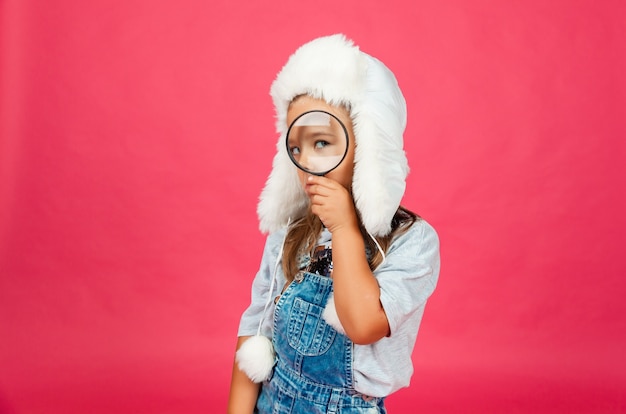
<point x="321" y="144"/>
<point x="294" y="150"/>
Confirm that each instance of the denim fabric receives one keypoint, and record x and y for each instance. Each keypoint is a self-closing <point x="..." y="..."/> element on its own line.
<point x="407" y="278"/>
<point x="313" y="371"/>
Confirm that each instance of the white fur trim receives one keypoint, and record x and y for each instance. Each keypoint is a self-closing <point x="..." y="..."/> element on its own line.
<point x="332" y="68"/>
<point x="330" y="315"/>
<point x="255" y="357"/>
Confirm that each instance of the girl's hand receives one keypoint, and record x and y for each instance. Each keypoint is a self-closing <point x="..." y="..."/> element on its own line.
<point x="332" y="203"/>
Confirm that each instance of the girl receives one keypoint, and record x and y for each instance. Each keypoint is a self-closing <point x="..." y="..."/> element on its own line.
<point x="346" y="271"/>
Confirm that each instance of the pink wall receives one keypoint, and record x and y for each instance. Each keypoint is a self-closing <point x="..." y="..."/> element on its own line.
<point x="135" y="138"/>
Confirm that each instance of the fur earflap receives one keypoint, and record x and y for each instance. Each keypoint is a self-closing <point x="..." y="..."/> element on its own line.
<point x="332" y="68"/>
<point x="255" y="358"/>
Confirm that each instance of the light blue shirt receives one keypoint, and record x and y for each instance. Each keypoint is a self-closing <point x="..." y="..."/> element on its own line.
<point x="407" y="278"/>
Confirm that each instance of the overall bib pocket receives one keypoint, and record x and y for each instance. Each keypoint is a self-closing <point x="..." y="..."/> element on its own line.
<point x="309" y="334"/>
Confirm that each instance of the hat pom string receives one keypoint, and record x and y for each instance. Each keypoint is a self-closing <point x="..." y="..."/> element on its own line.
<point x="256" y="356"/>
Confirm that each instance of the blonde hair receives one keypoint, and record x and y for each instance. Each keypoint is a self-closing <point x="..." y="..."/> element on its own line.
<point x="303" y="234"/>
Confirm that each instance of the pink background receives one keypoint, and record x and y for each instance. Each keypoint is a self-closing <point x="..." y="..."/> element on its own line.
<point x="135" y="138"/>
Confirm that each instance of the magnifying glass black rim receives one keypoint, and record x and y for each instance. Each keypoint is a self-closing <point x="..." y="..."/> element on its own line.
<point x="295" y="162"/>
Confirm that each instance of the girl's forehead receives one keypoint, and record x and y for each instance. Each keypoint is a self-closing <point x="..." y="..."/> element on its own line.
<point x="304" y="103"/>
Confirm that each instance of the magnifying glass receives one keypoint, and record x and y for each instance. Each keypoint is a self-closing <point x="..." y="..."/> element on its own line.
<point x="317" y="142"/>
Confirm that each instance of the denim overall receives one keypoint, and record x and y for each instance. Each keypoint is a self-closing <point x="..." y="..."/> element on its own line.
<point x="313" y="370"/>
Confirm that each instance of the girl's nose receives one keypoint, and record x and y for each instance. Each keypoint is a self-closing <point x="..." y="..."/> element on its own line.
<point x="303" y="160"/>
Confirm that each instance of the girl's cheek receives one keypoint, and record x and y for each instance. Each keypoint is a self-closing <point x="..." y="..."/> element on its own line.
<point x="303" y="178"/>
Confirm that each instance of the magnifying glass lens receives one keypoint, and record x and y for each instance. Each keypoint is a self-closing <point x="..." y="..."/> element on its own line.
<point x="317" y="142"/>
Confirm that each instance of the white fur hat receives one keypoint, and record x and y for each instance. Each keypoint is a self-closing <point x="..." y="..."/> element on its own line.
<point x="332" y="68"/>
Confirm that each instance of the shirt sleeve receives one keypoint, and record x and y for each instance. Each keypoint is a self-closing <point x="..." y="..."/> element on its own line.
<point x="409" y="274"/>
<point x="260" y="291"/>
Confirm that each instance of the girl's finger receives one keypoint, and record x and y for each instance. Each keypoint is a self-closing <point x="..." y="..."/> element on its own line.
<point x="318" y="189"/>
<point x="321" y="181"/>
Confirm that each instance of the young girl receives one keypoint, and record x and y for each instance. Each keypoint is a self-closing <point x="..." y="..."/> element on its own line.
<point x="346" y="271"/>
